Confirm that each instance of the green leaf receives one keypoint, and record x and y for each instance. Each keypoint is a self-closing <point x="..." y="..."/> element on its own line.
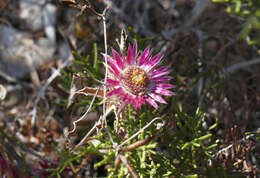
<point x="203" y="137"/>
<point x="95" y="65"/>
<point x="58" y="175"/>
<point x="257" y="13"/>
<point x="186" y="145"/>
<point x="63" y="167"/>
<point x="72" y="167"/>
<point x="84" y="62"/>
<point x="195" y="144"/>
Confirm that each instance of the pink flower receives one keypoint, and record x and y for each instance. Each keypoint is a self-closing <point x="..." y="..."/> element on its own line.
<point x="135" y="78"/>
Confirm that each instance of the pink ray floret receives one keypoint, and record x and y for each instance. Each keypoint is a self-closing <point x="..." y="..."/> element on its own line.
<point x="135" y="79"/>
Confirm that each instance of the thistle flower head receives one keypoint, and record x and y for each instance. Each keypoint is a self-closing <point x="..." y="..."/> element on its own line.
<point x="135" y="78"/>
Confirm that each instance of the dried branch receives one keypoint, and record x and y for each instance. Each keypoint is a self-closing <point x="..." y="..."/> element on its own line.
<point x="141" y="130"/>
<point x="129" y="166"/>
<point x="82" y="117"/>
<point x="7" y="77"/>
<point x="137" y="144"/>
<point x="242" y="65"/>
<point x="41" y="93"/>
<point x="197" y="10"/>
<point x="231" y="145"/>
<point x="117" y="163"/>
<point x="103" y="118"/>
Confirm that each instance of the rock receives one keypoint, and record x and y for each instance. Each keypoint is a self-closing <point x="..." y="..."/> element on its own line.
<point x="49" y="19"/>
<point x="31" y="12"/>
<point x="18" y="50"/>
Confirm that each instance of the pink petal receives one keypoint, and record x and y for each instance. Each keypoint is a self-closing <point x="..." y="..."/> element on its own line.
<point x="135" y="105"/>
<point x="126" y="97"/>
<point x="162" y="91"/>
<point x="113" y="66"/>
<point x="112" y="71"/>
<point x="114" y="92"/>
<point x="162" y="69"/>
<point x="118" y="59"/>
<point x="122" y="93"/>
<point x="153" y="62"/>
<point x="152" y="102"/>
<point x="165" y="85"/>
<point x="139" y="101"/>
<point x="146" y="54"/>
<point x="158" y="98"/>
<point x="162" y="73"/>
<point x="134" y="52"/>
<point x="112" y="83"/>
<point x="162" y="79"/>
<point x="129" y="55"/>
<point x="139" y="105"/>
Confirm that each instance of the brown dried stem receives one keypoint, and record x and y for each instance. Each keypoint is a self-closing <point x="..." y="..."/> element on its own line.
<point x="129" y="166"/>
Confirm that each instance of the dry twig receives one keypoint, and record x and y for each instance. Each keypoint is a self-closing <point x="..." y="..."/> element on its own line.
<point x="41" y="93"/>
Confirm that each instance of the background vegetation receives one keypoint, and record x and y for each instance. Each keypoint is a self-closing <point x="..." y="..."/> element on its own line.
<point x="209" y="128"/>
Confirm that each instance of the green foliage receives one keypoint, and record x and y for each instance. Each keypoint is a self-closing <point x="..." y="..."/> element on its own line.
<point x="90" y="70"/>
<point x="88" y="66"/>
<point x="182" y="147"/>
<point x="190" y="145"/>
<point x="182" y="152"/>
<point x="250" y="11"/>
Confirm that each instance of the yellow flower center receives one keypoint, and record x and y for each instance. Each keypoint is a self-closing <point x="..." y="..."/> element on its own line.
<point x="138" y="77"/>
<point x="135" y="80"/>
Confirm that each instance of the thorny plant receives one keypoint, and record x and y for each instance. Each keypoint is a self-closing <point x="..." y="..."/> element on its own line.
<point x="133" y="78"/>
<point x="124" y="73"/>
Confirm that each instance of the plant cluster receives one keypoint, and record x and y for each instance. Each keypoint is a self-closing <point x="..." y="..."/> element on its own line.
<point x="142" y="142"/>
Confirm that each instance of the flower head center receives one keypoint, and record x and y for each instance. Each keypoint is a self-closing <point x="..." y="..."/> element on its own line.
<point x="138" y="77"/>
<point x="135" y="80"/>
